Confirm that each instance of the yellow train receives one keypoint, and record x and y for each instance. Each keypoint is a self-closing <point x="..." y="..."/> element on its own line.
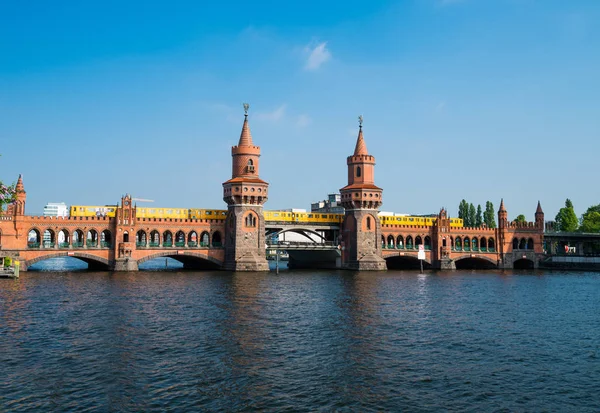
<point x="411" y="220"/>
<point x="93" y="211"/>
<point x="271" y="216"/>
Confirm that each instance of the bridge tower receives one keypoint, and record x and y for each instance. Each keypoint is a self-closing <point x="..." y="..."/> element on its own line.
<point x="441" y="247"/>
<point x="361" y="198"/>
<point x="539" y="216"/>
<point x="17" y="207"/>
<point x="124" y="242"/>
<point x="245" y="193"/>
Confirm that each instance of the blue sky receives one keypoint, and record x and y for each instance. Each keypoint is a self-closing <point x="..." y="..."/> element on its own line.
<point x="474" y="99"/>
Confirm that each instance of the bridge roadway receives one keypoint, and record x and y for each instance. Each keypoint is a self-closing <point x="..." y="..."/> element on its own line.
<point x="572" y="250"/>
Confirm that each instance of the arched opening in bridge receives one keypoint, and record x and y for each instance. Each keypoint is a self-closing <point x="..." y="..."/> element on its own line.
<point x="491" y="244"/>
<point x="64" y="238"/>
<point x="409" y="243"/>
<point x="167" y="239"/>
<point x="466" y="244"/>
<point x="474" y="263"/>
<point x="530" y="244"/>
<point x="382" y="241"/>
<point x="140" y="238"/>
<point x="444" y="243"/>
<point x="60" y="261"/>
<point x="483" y="244"/>
<point x="451" y="242"/>
<point x="154" y="239"/>
<point x="205" y="239"/>
<point x="405" y="263"/>
<point x="523" y="244"/>
<point x="400" y="242"/>
<point x="125" y="236"/>
<point x="390" y="241"/>
<point x="458" y="244"/>
<point x="180" y="239"/>
<point x="77" y="238"/>
<point x="192" y="239"/>
<point x="216" y="239"/>
<point x="418" y="241"/>
<point x="515" y="244"/>
<point x="106" y="239"/>
<point x="49" y="239"/>
<point x="33" y="238"/>
<point x="177" y="262"/>
<point x="427" y="242"/>
<point x="523" y="264"/>
<point x="475" y="244"/>
<point x="91" y="240"/>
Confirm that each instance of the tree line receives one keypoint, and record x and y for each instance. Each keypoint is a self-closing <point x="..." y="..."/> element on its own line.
<point x="566" y="219"/>
<point x="476" y="217"/>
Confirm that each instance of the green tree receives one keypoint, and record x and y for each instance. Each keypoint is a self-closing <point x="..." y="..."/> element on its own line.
<point x="7" y="195"/>
<point x="463" y="209"/>
<point x="520" y="218"/>
<point x="472" y="215"/>
<point x="489" y="215"/>
<point x="479" y="218"/>
<point x="590" y="221"/>
<point x="566" y="220"/>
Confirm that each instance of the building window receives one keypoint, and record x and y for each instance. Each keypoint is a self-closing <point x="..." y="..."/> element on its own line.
<point x="358" y="172"/>
<point x="368" y="223"/>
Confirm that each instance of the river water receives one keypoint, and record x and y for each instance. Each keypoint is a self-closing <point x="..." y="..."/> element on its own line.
<point x="300" y="341"/>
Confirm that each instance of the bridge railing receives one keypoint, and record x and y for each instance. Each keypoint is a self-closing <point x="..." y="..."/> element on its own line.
<point x="301" y="243"/>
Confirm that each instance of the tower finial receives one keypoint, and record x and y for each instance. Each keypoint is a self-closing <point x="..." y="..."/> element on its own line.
<point x="361" y="147"/>
<point x="360" y="121"/>
<point x="246" y="107"/>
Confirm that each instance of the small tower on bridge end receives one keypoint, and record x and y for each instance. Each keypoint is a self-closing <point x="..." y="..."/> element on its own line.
<point x="361" y="233"/>
<point x="245" y="193"/>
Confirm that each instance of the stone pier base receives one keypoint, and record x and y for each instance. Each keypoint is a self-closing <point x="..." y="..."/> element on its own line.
<point x="125" y="264"/>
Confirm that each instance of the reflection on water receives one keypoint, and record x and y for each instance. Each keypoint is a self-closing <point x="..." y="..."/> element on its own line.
<point x="300" y="341"/>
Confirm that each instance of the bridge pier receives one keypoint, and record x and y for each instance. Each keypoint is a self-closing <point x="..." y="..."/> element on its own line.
<point x="444" y="264"/>
<point x="125" y="264"/>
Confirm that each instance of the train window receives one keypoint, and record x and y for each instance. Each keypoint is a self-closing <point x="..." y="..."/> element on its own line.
<point x="323" y="216"/>
<point x="208" y="212"/>
<point x="411" y="219"/>
<point x="310" y="215"/>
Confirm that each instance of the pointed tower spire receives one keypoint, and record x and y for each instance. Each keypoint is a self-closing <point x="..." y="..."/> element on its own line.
<point x="501" y="205"/>
<point x="539" y="209"/>
<point x="361" y="146"/>
<point x="246" y="136"/>
<point x="20" y="187"/>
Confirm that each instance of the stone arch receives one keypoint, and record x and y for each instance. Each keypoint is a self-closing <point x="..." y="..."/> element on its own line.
<point x="475" y="244"/>
<point x="180" y="239"/>
<point x="49" y="239"/>
<point x="483" y="243"/>
<point x="400" y="242"/>
<point x="193" y="255"/>
<point x="418" y="241"/>
<point x="91" y="238"/>
<point x="205" y="239"/>
<point x="167" y="239"/>
<point x="515" y="243"/>
<point x="216" y="239"/>
<point x="34" y="238"/>
<point x="390" y="241"/>
<point x="141" y="238"/>
<point x="427" y="242"/>
<point x="491" y="244"/>
<point x="523" y="264"/>
<point x="405" y="262"/>
<point x="458" y="244"/>
<point x="77" y="241"/>
<point x="466" y="244"/>
<point x="106" y="239"/>
<point x="64" y="238"/>
<point x="382" y="241"/>
<point x="477" y="262"/>
<point x="91" y="260"/>
<point x="523" y="244"/>
<point x="154" y="240"/>
<point x="530" y="243"/>
<point x="409" y="242"/>
<point x="192" y="239"/>
<point x="125" y="236"/>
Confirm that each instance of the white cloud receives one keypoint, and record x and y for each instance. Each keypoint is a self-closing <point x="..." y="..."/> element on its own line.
<point x="317" y="56"/>
<point x="273" y="116"/>
<point x="303" y="120"/>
